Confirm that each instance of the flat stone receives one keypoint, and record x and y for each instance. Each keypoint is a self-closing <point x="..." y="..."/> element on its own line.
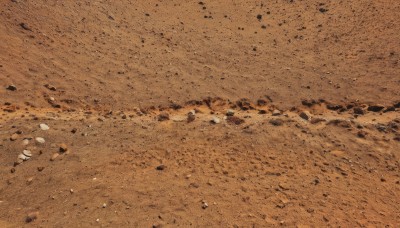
<point x="40" y="140"/>
<point x="44" y="127"/>
<point x="276" y="122"/>
<point x="27" y="153"/>
<point x="376" y="108"/>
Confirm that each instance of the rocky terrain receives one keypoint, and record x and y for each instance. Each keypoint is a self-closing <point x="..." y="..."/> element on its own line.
<point x="204" y="114"/>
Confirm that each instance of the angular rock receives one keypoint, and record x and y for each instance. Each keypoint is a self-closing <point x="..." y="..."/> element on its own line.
<point x="305" y="115"/>
<point x="358" y="111"/>
<point x="11" y="87"/>
<point x="54" y="156"/>
<point x="375" y="108"/>
<point x="234" y="120"/>
<point x="163" y="116"/>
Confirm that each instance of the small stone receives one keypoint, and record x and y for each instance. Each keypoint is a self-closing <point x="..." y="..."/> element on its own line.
<point x="276" y="112"/>
<point x="25" y="142"/>
<point x="27" y="153"/>
<point x="11" y="87"/>
<point x="104" y="205"/>
<point x="234" y="120"/>
<point x="230" y="112"/>
<point x="276" y="122"/>
<point x="14" y="137"/>
<point x="204" y="205"/>
<point x="358" y="111"/>
<point x="376" y="108"/>
<point x="74" y="130"/>
<point x="44" y="127"/>
<point x="29" y="180"/>
<point x="163" y="116"/>
<point x="305" y="115"/>
<point x="40" y="168"/>
<point x="190" y="117"/>
<point x="362" y="134"/>
<point x="40" y="140"/>
<point x="50" y="87"/>
<point x="317" y="120"/>
<point x="22" y="157"/>
<point x="54" y="156"/>
<point x="31" y="217"/>
<point x="71" y="190"/>
<point x="215" y="120"/>
<point x="63" y="148"/>
<point x="160" y="167"/>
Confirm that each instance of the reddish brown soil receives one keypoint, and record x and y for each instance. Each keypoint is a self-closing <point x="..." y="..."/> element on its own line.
<point x="115" y="81"/>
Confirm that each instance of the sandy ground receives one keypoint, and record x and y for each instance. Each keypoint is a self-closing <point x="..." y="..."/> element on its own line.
<point x="197" y="113"/>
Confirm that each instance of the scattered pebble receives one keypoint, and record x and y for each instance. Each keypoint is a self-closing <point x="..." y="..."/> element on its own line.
<point x="376" y="108"/>
<point x="215" y="120"/>
<point x="14" y="137"/>
<point x="25" y="141"/>
<point x="31" y="217"/>
<point x="63" y="148"/>
<point x="160" y="167"/>
<point x="54" y="156"/>
<point x="44" y="127"/>
<point x="234" y="120"/>
<point x="305" y="115"/>
<point x="40" y="140"/>
<point x="11" y="87"/>
<point x="276" y="122"/>
<point x="190" y="117"/>
<point x="276" y="112"/>
<point x="163" y="116"/>
<point x="230" y="112"/>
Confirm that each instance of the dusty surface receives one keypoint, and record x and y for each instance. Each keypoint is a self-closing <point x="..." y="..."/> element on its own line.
<point x="316" y="143"/>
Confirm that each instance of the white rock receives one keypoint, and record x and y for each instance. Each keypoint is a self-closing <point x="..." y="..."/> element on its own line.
<point x="25" y="142"/>
<point x="40" y="140"/>
<point x="23" y="157"/>
<point x="216" y="120"/>
<point x="27" y="153"/>
<point x="44" y="127"/>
